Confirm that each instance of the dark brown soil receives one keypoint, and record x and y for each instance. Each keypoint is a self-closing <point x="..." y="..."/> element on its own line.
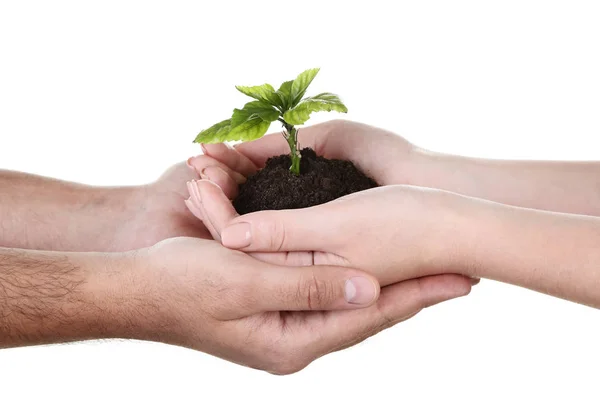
<point x="321" y="180"/>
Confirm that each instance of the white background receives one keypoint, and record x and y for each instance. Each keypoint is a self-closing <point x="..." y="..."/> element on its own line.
<point x="113" y="92"/>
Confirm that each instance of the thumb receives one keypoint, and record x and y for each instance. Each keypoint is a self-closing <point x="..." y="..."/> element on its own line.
<point x="310" y="229"/>
<point x="315" y="288"/>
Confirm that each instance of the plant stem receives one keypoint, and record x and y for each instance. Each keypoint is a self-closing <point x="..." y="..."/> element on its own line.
<point x="292" y="139"/>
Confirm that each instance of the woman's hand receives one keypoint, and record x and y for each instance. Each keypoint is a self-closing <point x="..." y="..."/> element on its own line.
<point x="561" y="186"/>
<point x="393" y="232"/>
<point x="383" y="155"/>
<point x="401" y="232"/>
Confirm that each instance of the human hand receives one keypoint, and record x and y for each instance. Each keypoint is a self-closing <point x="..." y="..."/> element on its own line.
<point x="393" y="232"/>
<point x="226" y="303"/>
<point x="156" y="211"/>
<point x="560" y="186"/>
<point x="382" y="155"/>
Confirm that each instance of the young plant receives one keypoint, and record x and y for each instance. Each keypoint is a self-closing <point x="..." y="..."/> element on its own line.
<point x="285" y="105"/>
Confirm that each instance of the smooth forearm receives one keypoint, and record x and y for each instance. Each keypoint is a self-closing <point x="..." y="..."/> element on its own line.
<point x="49" y="297"/>
<point x="553" y="253"/>
<point x="569" y="187"/>
<point x="48" y="214"/>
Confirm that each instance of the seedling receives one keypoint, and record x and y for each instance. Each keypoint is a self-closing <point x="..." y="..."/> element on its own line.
<point x="285" y="105"/>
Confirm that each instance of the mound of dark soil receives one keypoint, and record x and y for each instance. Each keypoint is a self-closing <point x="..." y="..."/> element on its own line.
<point x="321" y="180"/>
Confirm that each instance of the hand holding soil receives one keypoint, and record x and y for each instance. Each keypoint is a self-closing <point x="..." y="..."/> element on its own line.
<point x="399" y="232"/>
<point x="357" y="207"/>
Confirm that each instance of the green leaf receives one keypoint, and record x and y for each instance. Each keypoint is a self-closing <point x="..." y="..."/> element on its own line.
<point x="300" y="84"/>
<point x="265" y="111"/>
<point x="252" y="128"/>
<point x="264" y="93"/>
<point x="252" y="121"/>
<point x="215" y="134"/>
<point x="285" y="95"/>
<point x="321" y="102"/>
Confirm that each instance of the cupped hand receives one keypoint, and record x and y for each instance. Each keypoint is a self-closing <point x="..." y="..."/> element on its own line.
<point x="226" y="303"/>
<point x="156" y="211"/>
<point x="393" y="232"/>
<point x="383" y="155"/>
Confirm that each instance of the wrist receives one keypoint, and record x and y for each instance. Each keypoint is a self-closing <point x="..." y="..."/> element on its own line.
<point x="121" y="211"/>
<point x="109" y="291"/>
<point x="481" y="236"/>
<point x="127" y="301"/>
<point x="456" y="232"/>
<point x="438" y="170"/>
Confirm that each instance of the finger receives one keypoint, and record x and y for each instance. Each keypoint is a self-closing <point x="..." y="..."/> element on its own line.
<point x="230" y="157"/>
<point x="217" y="208"/>
<point x="222" y="179"/>
<point x="200" y="163"/>
<point x="313" y="288"/>
<point x="219" y="212"/>
<point x="194" y="210"/>
<point x="308" y="229"/>
<point x="287" y="258"/>
<point x="196" y="206"/>
<point x="396" y="303"/>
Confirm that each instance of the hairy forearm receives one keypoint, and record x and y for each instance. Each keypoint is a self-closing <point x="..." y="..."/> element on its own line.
<point x="48" y="214"/>
<point x="568" y="187"/>
<point x="553" y="253"/>
<point x="49" y="297"/>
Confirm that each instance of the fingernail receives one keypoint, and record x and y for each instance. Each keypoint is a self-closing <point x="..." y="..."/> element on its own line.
<point x="203" y="175"/>
<point x="189" y="163"/>
<point x="475" y="281"/>
<point x="236" y="236"/>
<point x="203" y="147"/>
<point x="359" y="290"/>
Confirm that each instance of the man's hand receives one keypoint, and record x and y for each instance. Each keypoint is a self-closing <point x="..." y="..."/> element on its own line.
<point x="265" y="316"/>
<point x="157" y="212"/>
<point x="195" y="293"/>
<point x="48" y="214"/>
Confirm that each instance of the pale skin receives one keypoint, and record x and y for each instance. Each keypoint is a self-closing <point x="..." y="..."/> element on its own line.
<point x="48" y="214"/>
<point x="414" y="231"/>
<point x="80" y="262"/>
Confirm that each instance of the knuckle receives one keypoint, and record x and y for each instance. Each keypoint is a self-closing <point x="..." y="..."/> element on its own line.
<point x="275" y="233"/>
<point x="316" y="292"/>
<point x="384" y="321"/>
